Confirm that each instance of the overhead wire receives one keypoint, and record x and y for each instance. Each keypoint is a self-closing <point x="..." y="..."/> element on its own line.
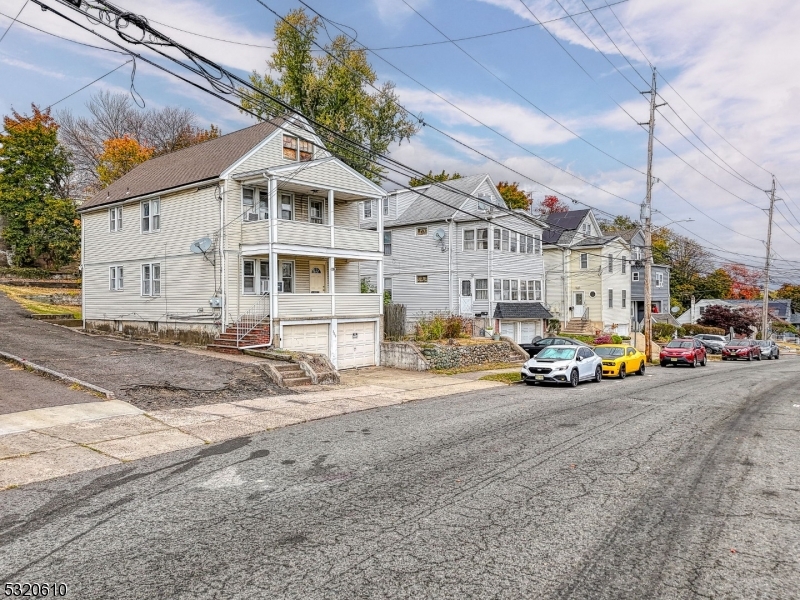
<point x="90" y="83"/>
<point x="61" y="37"/>
<point x="14" y="20"/>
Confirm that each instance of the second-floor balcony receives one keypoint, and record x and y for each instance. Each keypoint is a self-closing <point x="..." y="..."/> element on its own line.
<point x="300" y="233"/>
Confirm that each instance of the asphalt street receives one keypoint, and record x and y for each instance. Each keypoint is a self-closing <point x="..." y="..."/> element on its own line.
<point x="681" y="484"/>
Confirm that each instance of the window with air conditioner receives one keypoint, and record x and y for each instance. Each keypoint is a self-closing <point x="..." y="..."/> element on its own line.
<point x="316" y="211"/>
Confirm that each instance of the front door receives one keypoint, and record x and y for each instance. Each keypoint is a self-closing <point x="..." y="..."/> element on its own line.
<point x="466" y="297"/>
<point x="316" y="277"/>
<point x="577" y="304"/>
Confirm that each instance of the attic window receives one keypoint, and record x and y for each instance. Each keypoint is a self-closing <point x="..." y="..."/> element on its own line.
<point x="291" y="145"/>
<point x="422" y="231"/>
<point x="485" y="201"/>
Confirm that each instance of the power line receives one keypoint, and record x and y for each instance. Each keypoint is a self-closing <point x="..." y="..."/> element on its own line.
<point x="14" y="20"/>
<point x="91" y="83"/>
<point x="62" y="37"/>
<point x="208" y="37"/>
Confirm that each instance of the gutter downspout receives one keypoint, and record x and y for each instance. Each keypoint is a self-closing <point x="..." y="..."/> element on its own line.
<point x="223" y="270"/>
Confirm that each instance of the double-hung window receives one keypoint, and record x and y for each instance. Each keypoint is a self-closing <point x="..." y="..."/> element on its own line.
<point x="624" y="298"/>
<point x="505" y="240"/>
<point x="249" y="212"/>
<point x="115" y="218"/>
<point x="610" y="298"/>
<point x="316" y="211"/>
<point x="523" y="290"/>
<point x="151" y="279"/>
<point x="635" y="276"/>
<point x="659" y="280"/>
<point x="584" y="260"/>
<point x="386" y="206"/>
<point x="481" y="289"/>
<point x="537" y="244"/>
<point x="624" y="261"/>
<point x="263" y="279"/>
<point x="610" y="263"/>
<point x="482" y="238"/>
<point x="287" y="207"/>
<point x="497" y="234"/>
<point x="387" y="243"/>
<point x="514" y="289"/>
<point x="115" y="283"/>
<point x="387" y="287"/>
<point x="497" y="287"/>
<point x="469" y="239"/>
<point x="287" y="276"/>
<point x="506" y="289"/>
<point x="151" y="215"/>
<point x="367" y="204"/>
<point x="249" y="277"/>
<point x="513" y="242"/>
<point x="535" y="290"/>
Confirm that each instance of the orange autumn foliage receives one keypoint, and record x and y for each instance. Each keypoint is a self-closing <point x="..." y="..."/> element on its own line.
<point x="119" y="156"/>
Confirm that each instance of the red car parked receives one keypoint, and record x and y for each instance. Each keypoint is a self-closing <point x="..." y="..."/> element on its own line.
<point x="741" y="349"/>
<point x="683" y="351"/>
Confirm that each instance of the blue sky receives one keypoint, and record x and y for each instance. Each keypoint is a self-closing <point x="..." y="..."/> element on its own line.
<point x="735" y="61"/>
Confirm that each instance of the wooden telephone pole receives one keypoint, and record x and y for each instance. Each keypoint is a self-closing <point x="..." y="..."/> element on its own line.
<point x="765" y="310"/>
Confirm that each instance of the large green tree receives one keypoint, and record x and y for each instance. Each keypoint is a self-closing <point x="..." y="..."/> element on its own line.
<point x="41" y="224"/>
<point x="513" y="196"/>
<point x="334" y="88"/>
<point x="791" y="292"/>
<point x="432" y="177"/>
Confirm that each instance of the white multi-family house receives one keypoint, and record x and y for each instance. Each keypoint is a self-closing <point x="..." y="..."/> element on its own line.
<point x="253" y="236"/>
<point x="588" y="280"/>
<point x="454" y="248"/>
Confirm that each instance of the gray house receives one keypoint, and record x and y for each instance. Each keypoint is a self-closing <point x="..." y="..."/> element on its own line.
<point x="448" y="248"/>
<point x="659" y="289"/>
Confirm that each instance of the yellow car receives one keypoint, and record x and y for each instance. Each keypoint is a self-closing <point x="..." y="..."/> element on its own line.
<point x="620" y="359"/>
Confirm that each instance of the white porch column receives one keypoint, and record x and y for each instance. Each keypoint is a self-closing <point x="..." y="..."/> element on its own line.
<point x="330" y="218"/>
<point x="273" y="257"/>
<point x="332" y="283"/>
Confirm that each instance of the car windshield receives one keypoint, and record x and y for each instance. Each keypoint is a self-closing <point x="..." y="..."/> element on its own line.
<point x="679" y="344"/>
<point x="557" y="353"/>
<point x="609" y="352"/>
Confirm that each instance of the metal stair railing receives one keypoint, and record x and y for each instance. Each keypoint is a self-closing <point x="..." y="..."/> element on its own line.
<point x="585" y="316"/>
<point x="251" y="319"/>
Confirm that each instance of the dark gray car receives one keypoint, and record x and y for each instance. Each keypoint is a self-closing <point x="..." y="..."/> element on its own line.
<point x="713" y="343"/>
<point x="769" y="349"/>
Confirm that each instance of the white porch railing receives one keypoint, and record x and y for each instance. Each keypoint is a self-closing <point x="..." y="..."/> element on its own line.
<point x="248" y="321"/>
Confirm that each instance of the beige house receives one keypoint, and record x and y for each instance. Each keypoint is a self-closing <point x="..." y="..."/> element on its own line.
<point x="588" y="284"/>
<point x="254" y="236"/>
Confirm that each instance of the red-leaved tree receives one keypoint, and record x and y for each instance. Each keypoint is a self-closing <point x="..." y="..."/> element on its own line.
<point x="721" y="316"/>
<point x="745" y="282"/>
<point x="551" y="204"/>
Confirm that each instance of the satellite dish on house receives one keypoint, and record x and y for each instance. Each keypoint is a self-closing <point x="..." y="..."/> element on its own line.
<point x="439" y="234"/>
<point x="201" y="246"/>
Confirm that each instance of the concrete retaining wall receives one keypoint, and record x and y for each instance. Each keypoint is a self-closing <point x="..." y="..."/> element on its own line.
<point x="402" y="355"/>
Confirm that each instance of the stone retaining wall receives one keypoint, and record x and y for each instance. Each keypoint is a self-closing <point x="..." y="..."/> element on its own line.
<point x="424" y="356"/>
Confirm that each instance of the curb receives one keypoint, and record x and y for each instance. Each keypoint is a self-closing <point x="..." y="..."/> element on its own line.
<point x="44" y="370"/>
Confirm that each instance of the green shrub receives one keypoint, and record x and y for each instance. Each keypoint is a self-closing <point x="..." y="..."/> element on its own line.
<point x="24" y="272"/>
<point x="436" y="326"/>
<point x="586" y="339"/>
<point x="663" y="332"/>
<point x="690" y="330"/>
<point x="616" y="339"/>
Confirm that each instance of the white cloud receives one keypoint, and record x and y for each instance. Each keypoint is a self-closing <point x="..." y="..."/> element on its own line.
<point x="392" y="11"/>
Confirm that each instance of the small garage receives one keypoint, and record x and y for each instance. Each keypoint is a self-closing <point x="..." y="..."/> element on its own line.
<point x="355" y="344"/>
<point x="521" y="321"/>
<point x="306" y="338"/>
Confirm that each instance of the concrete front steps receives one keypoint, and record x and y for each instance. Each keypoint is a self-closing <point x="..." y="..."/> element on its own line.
<point x="226" y="342"/>
<point x="578" y="327"/>
<point x="292" y="375"/>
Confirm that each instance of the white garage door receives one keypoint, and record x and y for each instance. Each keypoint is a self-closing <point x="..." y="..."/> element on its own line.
<point x="356" y="345"/>
<point x="529" y="330"/>
<point x="509" y="329"/>
<point x="306" y="338"/>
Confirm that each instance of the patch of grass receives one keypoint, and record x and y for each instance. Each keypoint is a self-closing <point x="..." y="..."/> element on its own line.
<point x="502" y="377"/>
<point x="22" y="296"/>
<point x="473" y="368"/>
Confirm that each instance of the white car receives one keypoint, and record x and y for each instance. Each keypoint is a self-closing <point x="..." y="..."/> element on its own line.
<point x="563" y="364"/>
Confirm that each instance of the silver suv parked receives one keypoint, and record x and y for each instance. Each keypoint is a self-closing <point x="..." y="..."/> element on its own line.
<point x="769" y="349"/>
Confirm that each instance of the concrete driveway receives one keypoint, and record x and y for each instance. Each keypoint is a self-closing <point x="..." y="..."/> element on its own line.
<point x="149" y="376"/>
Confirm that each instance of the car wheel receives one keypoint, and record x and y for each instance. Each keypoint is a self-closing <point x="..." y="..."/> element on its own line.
<point x="598" y="374"/>
<point x="758" y="357"/>
<point x="641" y="369"/>
<point x="777" y="356"/>
<point x="704" y="362"/>
<point x="622" y="372"/>
<point x="573" y="378"/>
<point x="694" y="362"/>
<point x="749" y="358"/>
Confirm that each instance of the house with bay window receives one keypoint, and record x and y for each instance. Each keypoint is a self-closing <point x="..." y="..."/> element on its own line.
<point x="454" y="248"/>
<point x="252" y="238"/>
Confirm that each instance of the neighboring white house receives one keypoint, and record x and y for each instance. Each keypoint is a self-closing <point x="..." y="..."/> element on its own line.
<point x="588" y="280"/>
<point x="255" y="230"/>
<point x="449" y="248"/>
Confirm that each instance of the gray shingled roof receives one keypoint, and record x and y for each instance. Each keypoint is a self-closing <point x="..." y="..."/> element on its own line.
<point x="191" y="165"/>
<point x="562" y="222"/>
<point x="521" y="310"/>
<point x="596" y="241"/>
<point x="779" y="306"/>
<point x="625" y="234"/>
<point x="439" y="203"/>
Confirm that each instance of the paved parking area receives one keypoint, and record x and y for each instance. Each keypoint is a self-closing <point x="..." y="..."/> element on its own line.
<point x="21" y="390"/>
<point x="149" y="376"/>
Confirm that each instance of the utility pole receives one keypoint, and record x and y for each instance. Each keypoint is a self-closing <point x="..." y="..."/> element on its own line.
<point x="765" y="310"/>
<point x="647" y="216"/>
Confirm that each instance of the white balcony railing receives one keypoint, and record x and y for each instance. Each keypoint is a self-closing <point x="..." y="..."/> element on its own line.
<point x="321" y="305"/>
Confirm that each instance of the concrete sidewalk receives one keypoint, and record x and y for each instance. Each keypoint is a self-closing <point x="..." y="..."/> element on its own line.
<point x="77" y="438"/>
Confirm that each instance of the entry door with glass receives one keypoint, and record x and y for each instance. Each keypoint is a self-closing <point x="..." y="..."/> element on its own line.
<point x="317" y="277"/>
<point x="578" y="307"/>
<point x="466" y="297"/>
